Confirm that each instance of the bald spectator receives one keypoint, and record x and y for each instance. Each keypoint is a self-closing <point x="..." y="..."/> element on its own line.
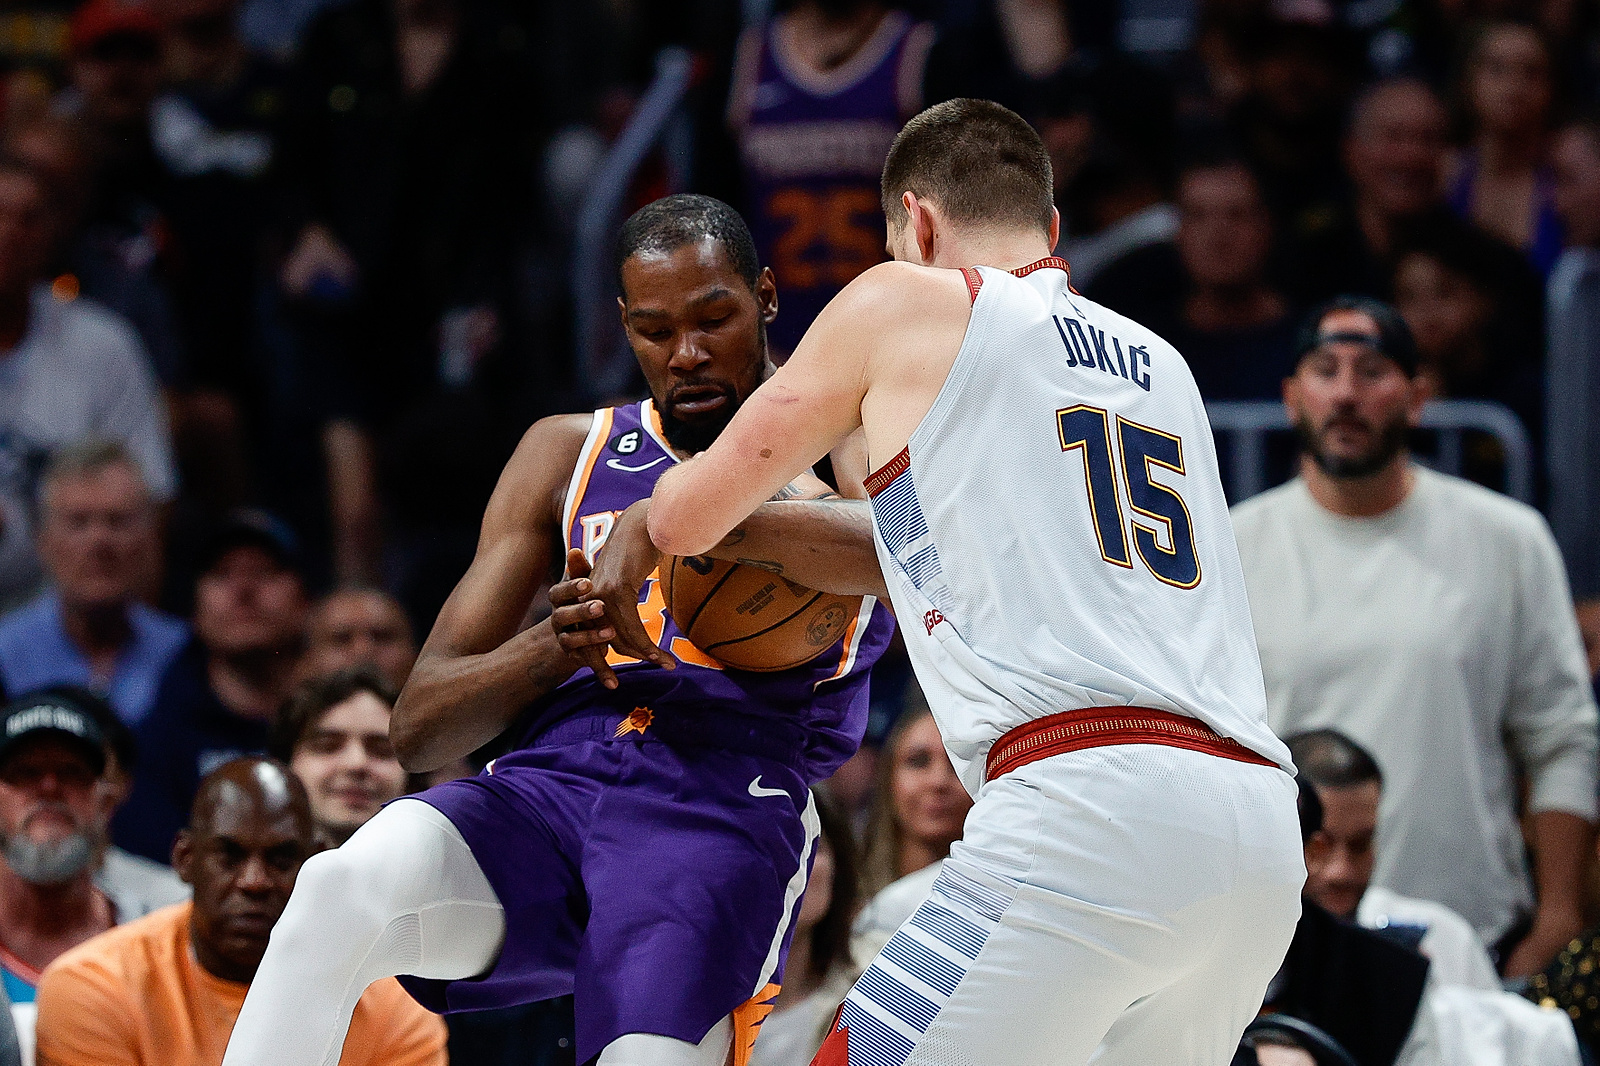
<point x="219" y="697"/>
<point x="71" y="370"/>
<point x="334" y="734"/>
<point x="359" y="627"/>
<point x="1394" y="156"/>
<point x="99" y="545"/>
<point x="165" y="990"/>
<point x="52" y="760"/>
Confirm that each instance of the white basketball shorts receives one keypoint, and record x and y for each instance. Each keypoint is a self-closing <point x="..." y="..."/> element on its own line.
<point x="1122" y="906"/>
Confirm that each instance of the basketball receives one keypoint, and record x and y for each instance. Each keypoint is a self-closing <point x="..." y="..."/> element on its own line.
<point x="748" y="618"/>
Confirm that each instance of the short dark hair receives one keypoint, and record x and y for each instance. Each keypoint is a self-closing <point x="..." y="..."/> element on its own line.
<point x="1329" y="759"/>
<point x="980" y="162"/>
<point x="671" y="222"/>
<point x="1394" y="336"/>
<point x="315" y="697"/>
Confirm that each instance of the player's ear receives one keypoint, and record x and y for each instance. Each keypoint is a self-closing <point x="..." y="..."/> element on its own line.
<point x="767" y="295"/>
<point x="1055" y="229"/>
<point x="622" y="312"/>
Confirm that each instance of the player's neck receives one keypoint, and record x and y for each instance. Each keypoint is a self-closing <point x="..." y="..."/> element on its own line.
<point x="1005" y="251"/>
<point x="1360" y="497"/>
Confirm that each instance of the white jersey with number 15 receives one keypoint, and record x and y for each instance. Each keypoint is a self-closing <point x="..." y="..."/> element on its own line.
<point x="1055" y="535"/>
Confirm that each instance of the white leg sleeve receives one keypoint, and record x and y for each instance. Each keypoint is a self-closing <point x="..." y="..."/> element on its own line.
<point x="402" y="896"/>
<point x="646" y="1049"/>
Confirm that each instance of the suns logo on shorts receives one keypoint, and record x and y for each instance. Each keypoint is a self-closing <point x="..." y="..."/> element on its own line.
<point x="638" y="721"/>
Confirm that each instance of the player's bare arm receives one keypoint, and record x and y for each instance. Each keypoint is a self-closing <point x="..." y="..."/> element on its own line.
<point x="873" y="359"/>
<point x="823" y="542"/>
<point x="476" y="671"/>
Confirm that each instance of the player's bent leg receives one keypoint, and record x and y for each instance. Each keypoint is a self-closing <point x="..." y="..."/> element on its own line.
<point x="404" y="895"/>
<point x="647" y="1049"/>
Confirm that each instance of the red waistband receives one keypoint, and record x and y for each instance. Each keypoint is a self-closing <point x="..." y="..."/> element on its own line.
<point x="1097" y="727"/>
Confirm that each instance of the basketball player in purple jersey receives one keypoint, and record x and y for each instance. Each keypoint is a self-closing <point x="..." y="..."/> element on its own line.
<point x="818" y="95"/>
<point x="646" y="846"/>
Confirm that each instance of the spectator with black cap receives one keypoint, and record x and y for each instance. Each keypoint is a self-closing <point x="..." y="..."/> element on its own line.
<point x="220" y="697"/>
<point x="1428" y="619"/>
<point x="52" y="774"/>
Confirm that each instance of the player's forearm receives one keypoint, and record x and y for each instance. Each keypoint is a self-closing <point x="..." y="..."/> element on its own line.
<point x="822" y="544"/>
<point x="454" y="704"/>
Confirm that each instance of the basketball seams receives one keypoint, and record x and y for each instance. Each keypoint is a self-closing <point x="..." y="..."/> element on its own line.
<point x="706" y="600"/>
<point x="796" y="613"/>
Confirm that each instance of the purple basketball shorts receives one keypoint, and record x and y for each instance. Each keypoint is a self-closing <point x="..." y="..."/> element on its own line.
<point x="655" y="883"/>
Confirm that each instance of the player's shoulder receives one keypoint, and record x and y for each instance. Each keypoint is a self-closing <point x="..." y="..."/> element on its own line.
<point x="554" y="440"/>
<point x="896" y="289"/>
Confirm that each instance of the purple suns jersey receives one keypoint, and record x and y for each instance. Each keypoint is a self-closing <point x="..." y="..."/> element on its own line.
<point x="812" y="146"/>
<point x="818" y="709"/>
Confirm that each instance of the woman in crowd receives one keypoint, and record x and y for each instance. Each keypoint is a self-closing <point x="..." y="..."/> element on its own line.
<point x="820" y="971"/>
<point x="917" y="814"/>
<point x="1501" y="180"/>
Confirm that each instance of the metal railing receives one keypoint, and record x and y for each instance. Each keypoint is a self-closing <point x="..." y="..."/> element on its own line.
<point x="1246" y="424"/>
<point x="603" y="361"/>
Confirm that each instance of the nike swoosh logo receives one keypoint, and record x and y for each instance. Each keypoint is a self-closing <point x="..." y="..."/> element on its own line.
<point x="618" y="464"/>
<point x="757" y="790"/>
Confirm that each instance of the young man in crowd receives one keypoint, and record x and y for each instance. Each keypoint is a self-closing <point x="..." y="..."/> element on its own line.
<point x="334" y="734"/>
<point x="1403" y="607"/>
<point x="1339" y="859"/>
<point x="218" y="699"/>
<point x="100" y="547"/>
<point x="165" y="990"/>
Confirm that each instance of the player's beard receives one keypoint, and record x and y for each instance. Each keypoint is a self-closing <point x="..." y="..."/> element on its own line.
<point x="694" y="437"/>
<point x="1387" y="443"/>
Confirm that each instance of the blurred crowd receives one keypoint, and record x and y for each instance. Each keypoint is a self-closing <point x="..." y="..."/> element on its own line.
<point x="282" y="282"/>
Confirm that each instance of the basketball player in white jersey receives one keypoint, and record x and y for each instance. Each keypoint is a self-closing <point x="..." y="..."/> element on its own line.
<point x="1059" y="554"/>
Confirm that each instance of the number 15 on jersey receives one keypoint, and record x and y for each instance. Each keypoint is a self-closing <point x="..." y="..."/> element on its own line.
<point x="1137" y="452"/>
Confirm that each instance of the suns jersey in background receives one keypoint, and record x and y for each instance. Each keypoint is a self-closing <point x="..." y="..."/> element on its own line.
<point x="812" y="146"/>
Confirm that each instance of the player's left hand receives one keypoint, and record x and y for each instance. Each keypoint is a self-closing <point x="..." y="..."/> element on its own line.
<point x="622" y="567"/>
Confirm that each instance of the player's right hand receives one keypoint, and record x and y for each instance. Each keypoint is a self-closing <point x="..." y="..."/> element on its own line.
<point x="579" y="623"/>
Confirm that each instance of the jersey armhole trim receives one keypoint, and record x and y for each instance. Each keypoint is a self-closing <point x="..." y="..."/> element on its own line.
<point x="593" y="444"/>
<point x="974" y="281"/>
<point x="880" y="478"/>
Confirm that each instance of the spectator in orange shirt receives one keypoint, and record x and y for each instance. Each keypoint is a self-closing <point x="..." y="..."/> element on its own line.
<point x="165" y="990"/>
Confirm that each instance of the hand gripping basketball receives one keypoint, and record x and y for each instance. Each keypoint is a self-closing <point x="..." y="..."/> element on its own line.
<point x="605" y="600"/>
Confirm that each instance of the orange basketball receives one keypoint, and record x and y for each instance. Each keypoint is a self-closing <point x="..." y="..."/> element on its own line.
<point x="748" y="618"/>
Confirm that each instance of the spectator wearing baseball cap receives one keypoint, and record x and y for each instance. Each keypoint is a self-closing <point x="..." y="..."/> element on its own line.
<point x="1429" y="620"/>
<point x="219" y="698"/>
<point x="52" y="765"/>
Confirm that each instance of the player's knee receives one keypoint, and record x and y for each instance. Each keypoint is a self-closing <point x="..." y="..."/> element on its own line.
<point x="336" y="890"/>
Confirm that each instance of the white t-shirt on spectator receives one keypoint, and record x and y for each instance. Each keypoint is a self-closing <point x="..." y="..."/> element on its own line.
<point x="1458" y="1026"/>
<point x="1436" y="635"/>
<point x="1458" y="957"/>
<point x="889" y="910"/>
<point x="78" y="372"/>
